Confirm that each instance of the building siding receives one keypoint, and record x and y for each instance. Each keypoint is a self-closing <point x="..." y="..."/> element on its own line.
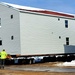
<point x="40" y="34"/>
<point x="9" y="27"/>
<point x="35" y="33"/>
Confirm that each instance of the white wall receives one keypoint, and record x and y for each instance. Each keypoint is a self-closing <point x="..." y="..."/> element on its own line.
<point x="34" y="34"/>
<point x="9" y="27"/>
<point x="40" y="34"/>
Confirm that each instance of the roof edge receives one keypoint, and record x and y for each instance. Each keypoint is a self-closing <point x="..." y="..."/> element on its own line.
<point x="38" y="10"/>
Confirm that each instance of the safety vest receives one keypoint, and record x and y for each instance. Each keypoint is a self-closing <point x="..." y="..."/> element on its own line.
<point x="0" y="55"/>
<point x="3" y="55"/>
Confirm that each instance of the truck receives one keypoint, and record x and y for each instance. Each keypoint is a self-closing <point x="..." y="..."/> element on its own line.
<point x="30" y="34"/>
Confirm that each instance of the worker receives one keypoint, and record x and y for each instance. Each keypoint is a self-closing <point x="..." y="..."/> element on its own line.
<point x="2" y="58"/>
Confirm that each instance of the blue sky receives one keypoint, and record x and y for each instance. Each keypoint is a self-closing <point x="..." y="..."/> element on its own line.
<point x="67" y="6"/>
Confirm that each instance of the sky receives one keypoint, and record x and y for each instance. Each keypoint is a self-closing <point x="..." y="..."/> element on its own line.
<point x="66" y="6"/>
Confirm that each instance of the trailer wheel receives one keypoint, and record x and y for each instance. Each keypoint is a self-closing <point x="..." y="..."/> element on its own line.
<point x="31" y="61"/>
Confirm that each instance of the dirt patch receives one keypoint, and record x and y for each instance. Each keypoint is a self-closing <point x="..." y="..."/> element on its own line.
<point x="8" y="71"/>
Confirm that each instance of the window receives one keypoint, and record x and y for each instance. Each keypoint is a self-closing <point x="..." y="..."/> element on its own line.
<point x="11" y="16"/>
<point x="0" y="42"/>
<point x="66" y="23"/>
<point x="59" y="37"/>
<point x="12" y="37"/>
<point x="58" y="19"/>
<point x="0" y="21"/>
<point x="67" y="40"/>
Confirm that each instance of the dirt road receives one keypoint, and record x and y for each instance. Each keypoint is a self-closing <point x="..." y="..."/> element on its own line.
<point x="9" y="71"/>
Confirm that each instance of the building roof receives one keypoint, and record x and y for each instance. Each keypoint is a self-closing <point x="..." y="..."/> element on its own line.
<point x="38" y="10"/>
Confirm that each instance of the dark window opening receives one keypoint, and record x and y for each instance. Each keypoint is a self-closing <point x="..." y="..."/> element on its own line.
<point x="12" y="37"/>
<point x="67" y="43"/>
<point x="11" y="16"/>
<point x="59" y="37"/>
<point x="66" y="23"/>
<point x="58" y="19"/>
<point x="67" y="40"/>
<point x="0" y="42"/>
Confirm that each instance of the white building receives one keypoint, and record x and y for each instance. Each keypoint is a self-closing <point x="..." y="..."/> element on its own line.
<point x="32" y="31"/>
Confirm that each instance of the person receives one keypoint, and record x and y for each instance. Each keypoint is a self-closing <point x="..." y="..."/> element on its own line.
<point x="3" y="55"/>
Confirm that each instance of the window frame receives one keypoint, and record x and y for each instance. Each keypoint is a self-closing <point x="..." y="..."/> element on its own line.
<point x="0" y="42"/>
<point x="66" y="23"/>
<point x="12" y="37"/>
<point x="11" y="16"/>
<point x="67" y="40"/>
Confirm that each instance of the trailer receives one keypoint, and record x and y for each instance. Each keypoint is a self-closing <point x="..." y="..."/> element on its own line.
<point x="28" y="33"/>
